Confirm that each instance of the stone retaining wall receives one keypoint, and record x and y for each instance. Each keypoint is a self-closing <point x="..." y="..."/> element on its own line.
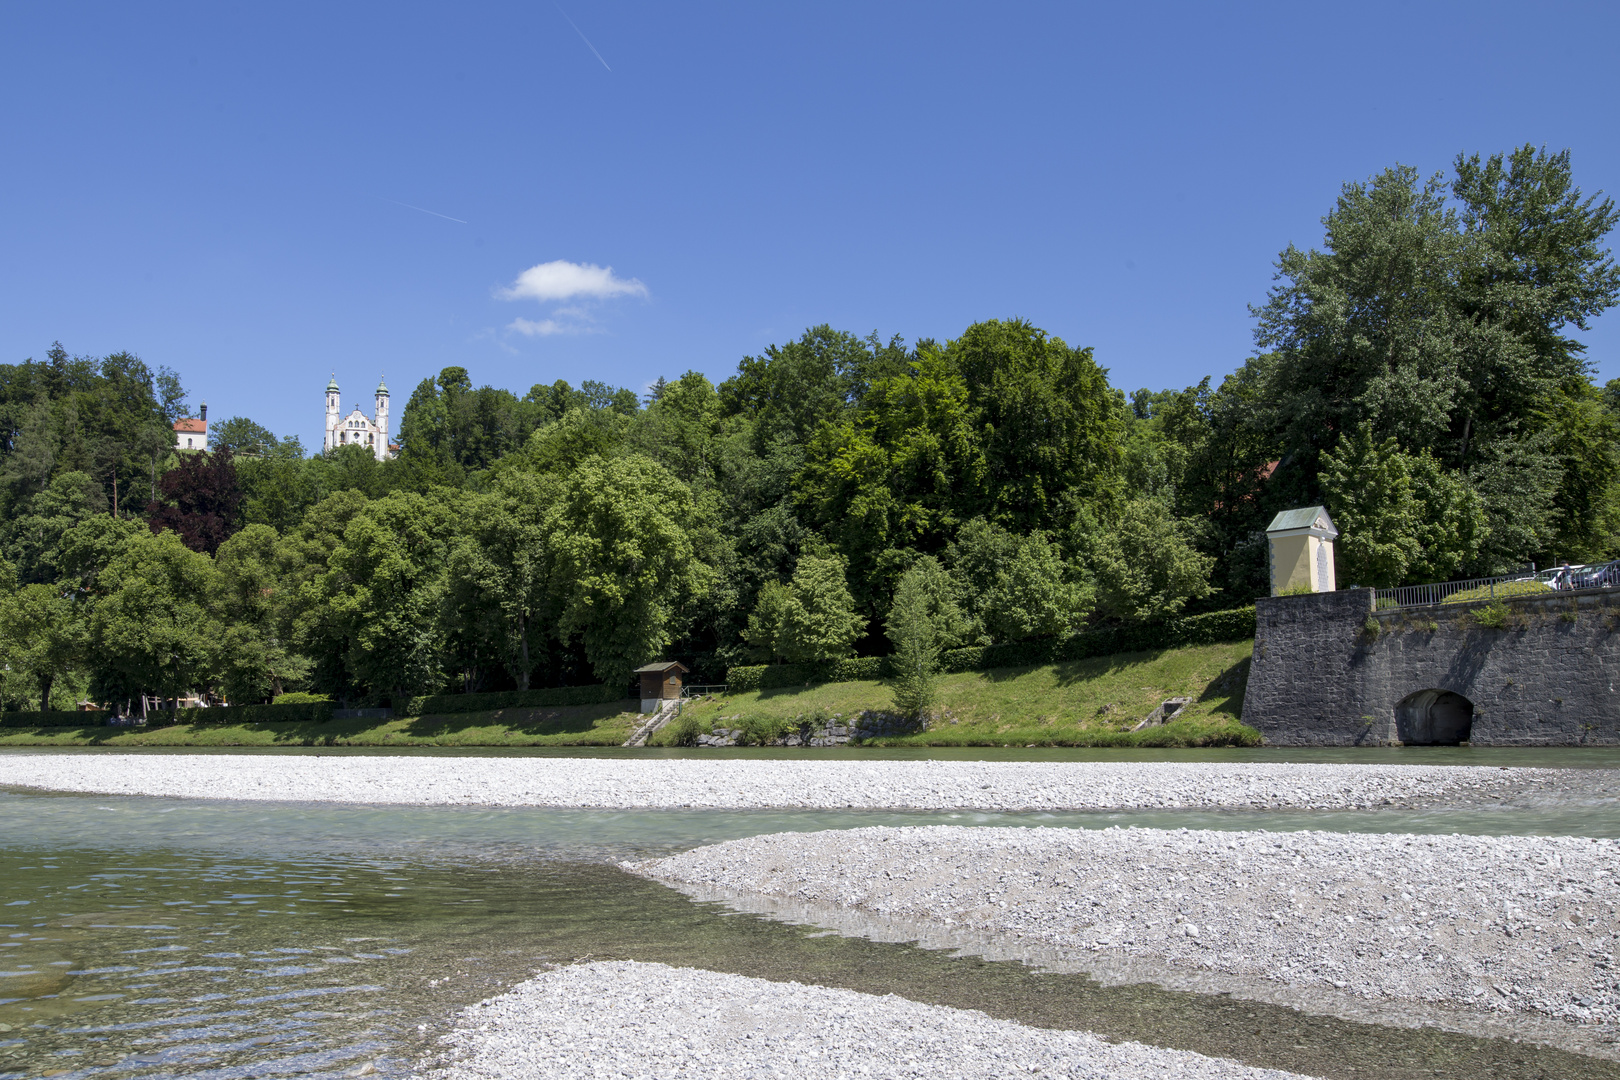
<point x="1329" y="670"/>
<point x="868" y="724"/>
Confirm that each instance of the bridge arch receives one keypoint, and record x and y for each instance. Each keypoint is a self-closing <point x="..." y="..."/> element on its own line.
<point x="1434" y="718"/>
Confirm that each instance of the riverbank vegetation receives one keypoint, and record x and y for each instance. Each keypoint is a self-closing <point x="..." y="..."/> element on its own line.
<point x="1091" y="702"/>
<point x="1416" y="373"/>
<point x="574" y="725"/>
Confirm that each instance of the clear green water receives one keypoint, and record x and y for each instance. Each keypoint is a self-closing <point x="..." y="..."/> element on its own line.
<point x="1552" y="757"/>
<point x="157" y="937"/>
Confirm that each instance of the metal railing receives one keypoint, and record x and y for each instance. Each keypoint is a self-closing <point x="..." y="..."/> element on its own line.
<point x="700" y="691"/>
<point x="1527" y="582"/>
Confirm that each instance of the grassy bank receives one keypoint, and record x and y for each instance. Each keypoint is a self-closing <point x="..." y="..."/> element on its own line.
<point x="1080" y="703"/>
<point x="579" y="725"/>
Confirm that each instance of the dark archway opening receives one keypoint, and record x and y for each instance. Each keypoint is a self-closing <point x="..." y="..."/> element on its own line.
<point x="1434" y="718"/>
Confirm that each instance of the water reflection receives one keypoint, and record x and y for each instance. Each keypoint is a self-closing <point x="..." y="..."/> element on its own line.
<point x="147" y="938"/>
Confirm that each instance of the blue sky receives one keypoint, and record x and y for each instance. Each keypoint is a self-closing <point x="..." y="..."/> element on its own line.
<point x="260" y="195"/>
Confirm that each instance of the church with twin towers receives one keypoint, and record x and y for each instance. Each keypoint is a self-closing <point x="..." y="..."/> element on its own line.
<point x="357" y="428"/>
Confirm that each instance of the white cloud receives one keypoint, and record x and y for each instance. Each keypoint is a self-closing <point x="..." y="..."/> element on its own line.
<point x="548" y="327"/>
<point x="562" y="280"/>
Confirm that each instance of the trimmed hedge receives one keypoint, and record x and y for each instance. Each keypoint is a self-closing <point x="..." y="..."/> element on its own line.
<point x="298" y="697"/>
<point x="774" y="676"/>
<point x="309" y="712"/>
<point x="54" y="718"/>
<point x="1216" y="626"/>
<point x="512" y="699"/>
<point x="1208" y="629"/>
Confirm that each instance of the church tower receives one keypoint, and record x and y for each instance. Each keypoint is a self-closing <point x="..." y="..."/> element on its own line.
<point x="382" y="421"/>
<point x="332" y="409"/>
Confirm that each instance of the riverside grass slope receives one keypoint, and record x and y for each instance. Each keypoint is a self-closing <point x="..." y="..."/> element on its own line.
<point x="1079" y="703"/>
<point x="1093" y="702"/>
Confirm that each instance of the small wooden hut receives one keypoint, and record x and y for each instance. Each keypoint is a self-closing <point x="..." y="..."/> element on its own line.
<point x="660" y="682"/>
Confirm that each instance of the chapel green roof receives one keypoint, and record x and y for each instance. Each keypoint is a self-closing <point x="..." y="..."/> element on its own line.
<point x="1303" y="518"/>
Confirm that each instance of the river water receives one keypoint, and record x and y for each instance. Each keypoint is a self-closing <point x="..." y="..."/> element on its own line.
<point x="165" y="937"/>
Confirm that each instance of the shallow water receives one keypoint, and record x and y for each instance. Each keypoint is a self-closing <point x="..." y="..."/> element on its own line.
<point x="161" y="937"/>
<point x="1549" y="757"/>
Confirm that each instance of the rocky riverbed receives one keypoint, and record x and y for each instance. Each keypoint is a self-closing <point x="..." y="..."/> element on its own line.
<point x="1487" y="924"/>
<point x="755" y="783"/>
<point x="633" y="1020"/>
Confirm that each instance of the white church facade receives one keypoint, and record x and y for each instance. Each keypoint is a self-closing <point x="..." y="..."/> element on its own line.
<point x="356" y="428"/>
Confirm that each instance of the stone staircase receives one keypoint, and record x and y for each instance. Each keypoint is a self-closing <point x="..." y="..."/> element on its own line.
<point x="667" y="710"/>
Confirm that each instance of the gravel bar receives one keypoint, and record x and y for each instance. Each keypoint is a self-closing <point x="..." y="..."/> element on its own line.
<point x="741" y="783"/>
<point x="1504" y="924"/>
<point x="624" y="1019"/>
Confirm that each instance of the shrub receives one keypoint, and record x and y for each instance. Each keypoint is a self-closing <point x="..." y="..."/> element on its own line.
<point x="1208" y="629"/>
<point x="1528" y="587"/>
<point x="740" y="680"/>
<point x="684" y="731"/>
<point x="513" y="699"/>
<point x="313" y="712"/>
<point x="54" y="718"/>
<point x="762" y="731"/>
<point x="916" y="648"/>
<point x="298" y="697"/>
<point x="1493" y="616"/>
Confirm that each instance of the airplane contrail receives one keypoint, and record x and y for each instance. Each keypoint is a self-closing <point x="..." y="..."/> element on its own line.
<point x="435" y="213"/>
<point x="580" y="32"/>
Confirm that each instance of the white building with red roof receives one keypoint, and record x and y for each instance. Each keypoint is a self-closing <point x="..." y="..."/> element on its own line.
<point x="191" y="433"/>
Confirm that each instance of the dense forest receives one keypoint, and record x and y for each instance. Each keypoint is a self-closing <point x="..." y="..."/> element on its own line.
<point x="1415" y="374"/>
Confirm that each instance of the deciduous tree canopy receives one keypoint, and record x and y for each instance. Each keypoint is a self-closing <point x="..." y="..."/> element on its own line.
<point x="1417" y="371"/>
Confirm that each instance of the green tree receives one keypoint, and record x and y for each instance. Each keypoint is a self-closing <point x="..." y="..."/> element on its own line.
<point x="278" y="484"/>
<point x="622" y="565"/>
<point x="356" y="468"/>
<point x="1400" y="516"/>
<point x="81" y="414"/>
<point x="1035" y="595"/>
<point x="1049" y="423"/>
<point x="1018" y="587"/>
<point x="770" y="626"/>
<point x="681" y="429"/>
<point x="42" y="637"/>
<point x="256" y="660"/>
<point x="499" y="572"/>
<point x="941" y="599"/>
<point x="242" y="437"/>
<point x="304" y="557"/>
<point x="822" y="623"/>
<point x="69" y="498"/>
<point x="383" y="591"/>
<point x="913" y="633"/>
<point x="786" y="393"/>
<point x="152" y="628"/>
<point x="810" y="619"/>
<point x="1443" y="324"/>
<point x="1145" y="565"/>
<point x="897" y="475"/>
<point x="89" y="548"/>
<point x="565" y="444"/>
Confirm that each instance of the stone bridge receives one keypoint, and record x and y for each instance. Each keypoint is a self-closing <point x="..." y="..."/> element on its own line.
<point x="1330" y="670"/>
